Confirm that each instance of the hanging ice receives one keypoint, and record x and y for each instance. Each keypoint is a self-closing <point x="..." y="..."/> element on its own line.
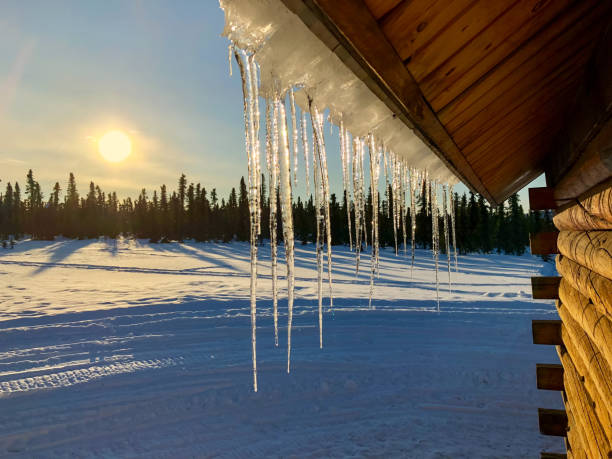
<point x="230" y="53"/>
<point x="294" y="136"/>
<point x="413" y="186"/>
<point x="403" y="208"/>
<point x="287" y="215"/>
<point x="446" y="241"/>
<point x="317" y="121"/>
<point x="345" y="156"/>
<point x="250" y="93"/>
<point x="374" y="174"/>
<point x="452" y="206"/>
<point x="359" y="194"/>
<point x="313" y="78"/>
<point x="273" y="174"/>
<point x="306" y="151"/>
<point x="435" y="233"/>
<point x="395" y="191"/>
<point x="320" y="226"/>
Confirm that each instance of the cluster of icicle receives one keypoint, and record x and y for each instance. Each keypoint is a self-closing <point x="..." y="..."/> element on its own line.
<point x="286" y="133"/>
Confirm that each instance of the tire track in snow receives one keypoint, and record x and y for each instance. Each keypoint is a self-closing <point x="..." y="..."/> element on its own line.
<point x="82" y="375"/>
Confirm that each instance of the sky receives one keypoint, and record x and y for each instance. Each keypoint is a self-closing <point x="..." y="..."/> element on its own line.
<point x="157" y="70"/>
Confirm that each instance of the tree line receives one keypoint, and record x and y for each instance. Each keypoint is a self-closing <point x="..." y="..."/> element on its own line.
<point x="192" y="212"/>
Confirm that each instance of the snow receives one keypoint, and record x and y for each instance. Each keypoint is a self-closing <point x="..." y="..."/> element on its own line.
<point x="125" y="348"/>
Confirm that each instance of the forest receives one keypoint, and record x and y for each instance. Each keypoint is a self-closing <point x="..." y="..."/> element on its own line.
<point x="193" y="212"/>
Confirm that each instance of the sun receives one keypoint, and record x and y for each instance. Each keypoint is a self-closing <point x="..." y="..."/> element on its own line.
<point x="115" y="146"/>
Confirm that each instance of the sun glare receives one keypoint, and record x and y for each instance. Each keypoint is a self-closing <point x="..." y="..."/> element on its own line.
<point x="115" y="146"/>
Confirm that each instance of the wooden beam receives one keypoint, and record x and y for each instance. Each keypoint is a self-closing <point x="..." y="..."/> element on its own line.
<point x="582" y="155"/>
<point x="546" y="332"/>
<point x="349" y="30"/>
<point x="547" y="455"/>
<point x="542" y="198"/>
<point x="549" y="376"/>
<point x="552" y="422"/>
<point x="545" y="287"/>
<point x="543" y="243"/>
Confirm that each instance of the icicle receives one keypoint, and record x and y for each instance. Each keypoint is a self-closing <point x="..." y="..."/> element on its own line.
<point x="413" y="186"/>
<point x="427" y="192"/>
<point x="452" y="206"/>
<point x="255" y="143"/>
<point x="358" y="193"/>
<point x="435" y="234"/>
<point x="287" y="216"/>
<point x="395" y="197"/>
<point x="273" y="167"/>
<point x="319" y="222"/>
<point x="364" y="231"/>
<point x="386" y="182"/>
<point x="345" y="154"/>
<point x="294" y="136"/>
<point x="230" y="52"/>
<point x="306" y="153"/>
<point x="404" y="210"/>
<point x="446" y="240"/>
<point x="251" y="144"/>
<point x="374" y="173"/>
<point x="317" y="120"/>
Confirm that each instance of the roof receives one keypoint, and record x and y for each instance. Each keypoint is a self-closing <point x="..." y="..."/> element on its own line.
<point x="487" y="85"/>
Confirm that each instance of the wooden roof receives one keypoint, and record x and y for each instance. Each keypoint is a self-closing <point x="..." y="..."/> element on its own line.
<point x="487" y="84"/>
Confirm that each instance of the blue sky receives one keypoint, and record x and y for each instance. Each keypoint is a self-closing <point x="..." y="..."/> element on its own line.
<point x="72" y="70"/>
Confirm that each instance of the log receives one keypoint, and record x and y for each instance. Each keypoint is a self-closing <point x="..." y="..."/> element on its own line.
<point x="573" y="441"/>
<point x="576" y="340"/>
<point x="596" y="287"/>
<point x="590" y="429"/>
<point x="549" y="376"/>
<point x="592" y="211"/>
<point x="597" y="326"/>
<point x="592" y="249"/>
<point x="546" y="331"/>
<point x="587" y="381"/>
<point x="543" y="243"/>
<point x="547" y="455"/>
<point x="542" y="198"/>
<point x="545" y="287"/>
<point x="552" y="422"/>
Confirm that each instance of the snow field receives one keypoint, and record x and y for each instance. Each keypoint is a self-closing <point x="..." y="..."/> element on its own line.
<point x="128" y="349"/>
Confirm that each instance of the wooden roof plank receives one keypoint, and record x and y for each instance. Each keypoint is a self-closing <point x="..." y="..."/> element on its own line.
<point x="530" y="114"/>
<point x="380" y="8"/>
<point x="527" y="58"/>
<point x="510" y="30"/>
<point x="467" y="25"/>
<point x="413" y="25"/>
<point x="529" y="147"/>
<point x="519" y="90"/>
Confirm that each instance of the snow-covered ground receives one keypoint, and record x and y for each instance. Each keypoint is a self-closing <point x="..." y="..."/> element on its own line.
<point x="129" y="349"/>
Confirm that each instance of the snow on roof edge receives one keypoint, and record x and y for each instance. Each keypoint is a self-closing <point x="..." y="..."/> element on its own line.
<point x="290" y="55"/>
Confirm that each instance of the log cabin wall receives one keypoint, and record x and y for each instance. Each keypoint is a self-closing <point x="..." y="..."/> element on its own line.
<point x="585" y="308"/>
<point x="579" y="175"/>
<point x="584" y="334"/>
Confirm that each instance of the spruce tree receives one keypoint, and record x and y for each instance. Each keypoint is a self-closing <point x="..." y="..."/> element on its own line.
<point x="243" y="223"/>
